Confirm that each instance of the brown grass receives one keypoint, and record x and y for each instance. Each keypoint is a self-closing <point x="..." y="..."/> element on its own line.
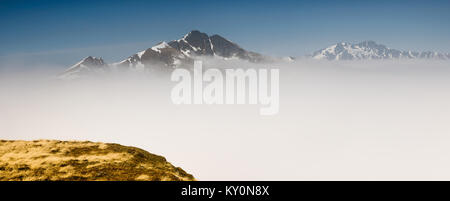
<point x="82" y="161"/>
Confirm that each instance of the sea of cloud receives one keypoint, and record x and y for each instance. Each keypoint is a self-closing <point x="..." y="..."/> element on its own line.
<point x="369" y="120"/>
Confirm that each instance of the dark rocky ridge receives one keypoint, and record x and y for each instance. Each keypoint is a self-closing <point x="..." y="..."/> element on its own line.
<point x="197" y="43"/>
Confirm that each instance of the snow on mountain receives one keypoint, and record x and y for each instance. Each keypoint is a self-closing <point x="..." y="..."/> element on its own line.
<point x="160" y="46"/>
<point x="371" y="50"/>
<point x="174" y="54"/>
<point x="196" y="43"/>
<point x="161" y="56"/>
<point x="181" y="53"/>
<point x="85" y="66"/>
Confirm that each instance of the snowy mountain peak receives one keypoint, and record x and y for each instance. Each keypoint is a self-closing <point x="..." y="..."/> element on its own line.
<point x="370" y="50"/>
<point x="167" y="56"/>
<point x="196" y="43"/>
<point x="91" y="61"/>
<point x="193" y="34"/>
<point x="85" y="66"/>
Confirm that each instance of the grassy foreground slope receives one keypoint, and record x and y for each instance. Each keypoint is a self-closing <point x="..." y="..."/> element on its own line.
<point x="82" y="161"/>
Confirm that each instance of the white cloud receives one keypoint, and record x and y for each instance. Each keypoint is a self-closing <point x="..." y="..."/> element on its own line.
<point x="347" y="120"/>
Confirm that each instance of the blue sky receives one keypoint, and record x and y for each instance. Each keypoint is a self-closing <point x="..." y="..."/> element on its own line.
<point x="39" y="31"/>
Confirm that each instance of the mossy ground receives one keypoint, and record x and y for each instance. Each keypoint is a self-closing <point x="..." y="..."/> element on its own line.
<point x="82" y="161"/>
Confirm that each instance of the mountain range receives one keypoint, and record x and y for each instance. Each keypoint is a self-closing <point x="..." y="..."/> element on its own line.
<point x="371" y="50"/>
<point x="166" y="56"/>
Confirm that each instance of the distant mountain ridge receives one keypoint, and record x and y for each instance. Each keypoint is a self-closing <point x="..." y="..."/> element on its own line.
<point x="167" y="56"/>
<point x="371" y="50"/>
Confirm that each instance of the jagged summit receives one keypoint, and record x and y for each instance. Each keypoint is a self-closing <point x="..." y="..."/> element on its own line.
<point x="87" y="65"/>
<point x="194" y="34"/>
<point x="196" y="43"/>
<point x="91" y="61"/>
